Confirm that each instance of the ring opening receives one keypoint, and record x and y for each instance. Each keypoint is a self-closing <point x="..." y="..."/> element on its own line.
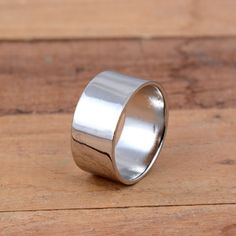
<point x="140" y="132"/>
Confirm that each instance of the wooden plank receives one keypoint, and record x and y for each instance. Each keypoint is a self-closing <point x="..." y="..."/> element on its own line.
<point x="193" y="220"/>
<point x="48" y="77"/>
<point x="197" y="165"/>
<point x="32" y="19"/>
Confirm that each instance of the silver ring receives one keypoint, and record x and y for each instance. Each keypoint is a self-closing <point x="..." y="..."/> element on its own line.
<point x="119" y="126"/>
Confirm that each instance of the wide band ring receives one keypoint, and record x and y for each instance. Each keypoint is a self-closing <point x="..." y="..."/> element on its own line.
<point x="119" y="126"/>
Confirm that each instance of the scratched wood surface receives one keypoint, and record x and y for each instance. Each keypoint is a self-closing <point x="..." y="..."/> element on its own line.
<point x="184" y="221"/>
<point x="49" y="50"/>
<point x="192" y="169"/>
<point x="48" y="77"/>
<point x="33" y="19"/>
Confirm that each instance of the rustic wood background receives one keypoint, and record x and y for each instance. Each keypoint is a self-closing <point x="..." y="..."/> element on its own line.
<point x="50" y="49"/>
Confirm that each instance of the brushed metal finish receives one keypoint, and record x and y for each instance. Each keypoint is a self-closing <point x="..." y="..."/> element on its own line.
<point x="119" y="126"/>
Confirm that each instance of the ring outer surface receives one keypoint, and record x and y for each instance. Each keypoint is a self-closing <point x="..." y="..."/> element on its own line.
<point x="97" y="155"/>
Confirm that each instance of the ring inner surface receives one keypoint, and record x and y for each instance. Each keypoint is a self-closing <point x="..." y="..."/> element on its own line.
<point x="140" y="132"/>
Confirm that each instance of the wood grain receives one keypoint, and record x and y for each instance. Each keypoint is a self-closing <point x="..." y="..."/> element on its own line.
<point x="32" y="19"/>
<point x="184" y="221"/>
<point x="48" y="77"/>
<point x="197" y="165"/>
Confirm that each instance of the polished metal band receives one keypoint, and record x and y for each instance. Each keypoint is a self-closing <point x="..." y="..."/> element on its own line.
<point x="119" y="126"/>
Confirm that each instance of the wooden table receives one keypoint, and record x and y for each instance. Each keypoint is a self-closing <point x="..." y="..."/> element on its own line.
<point x="49" y="50"/>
